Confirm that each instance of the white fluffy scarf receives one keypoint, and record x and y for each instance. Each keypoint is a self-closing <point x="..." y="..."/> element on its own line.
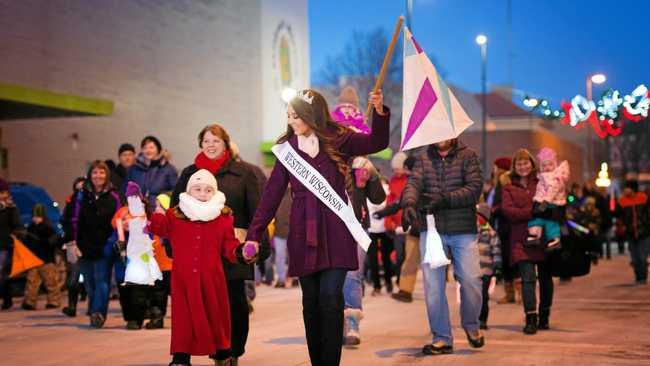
<point x="196" y="210"/>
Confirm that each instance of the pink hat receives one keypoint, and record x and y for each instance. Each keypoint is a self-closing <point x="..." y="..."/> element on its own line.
<point x="546" y="154"/>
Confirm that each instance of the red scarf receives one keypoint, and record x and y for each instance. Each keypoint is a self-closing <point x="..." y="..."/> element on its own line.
<point x="203" y="162"/>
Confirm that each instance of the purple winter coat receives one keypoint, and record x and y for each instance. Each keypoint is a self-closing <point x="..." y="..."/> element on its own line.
<point x="517" y="209"/>
<point x="318" y="238"/>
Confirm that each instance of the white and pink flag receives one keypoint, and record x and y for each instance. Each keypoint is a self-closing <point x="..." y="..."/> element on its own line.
<point x="431" y="113"/>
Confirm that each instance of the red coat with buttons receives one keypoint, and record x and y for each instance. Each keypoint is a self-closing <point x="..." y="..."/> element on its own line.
<point x="200" y="309"/>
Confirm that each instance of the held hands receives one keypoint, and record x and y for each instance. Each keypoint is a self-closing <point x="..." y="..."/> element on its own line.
<point x="120" y="248"/>
<point x="250" y="249"/>
<point x="377" y="101"/>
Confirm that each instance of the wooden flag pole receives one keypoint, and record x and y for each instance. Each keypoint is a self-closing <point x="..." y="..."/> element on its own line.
<point x="384" y="66"/>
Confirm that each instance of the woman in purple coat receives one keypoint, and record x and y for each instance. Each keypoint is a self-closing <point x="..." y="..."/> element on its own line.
<point x="321" y="248"/>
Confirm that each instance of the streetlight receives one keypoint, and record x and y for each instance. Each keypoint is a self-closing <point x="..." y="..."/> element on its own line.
<point x="592" y="79"/>
<point x="481" y="40"/>
<point x="288" y="94"/>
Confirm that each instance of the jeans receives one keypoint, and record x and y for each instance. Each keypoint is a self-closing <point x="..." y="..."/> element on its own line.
<point x="353" y="287"/>
<point x="322" y="311"/>
<point x="280" y="258"/>
<point x="639" y="251"/>
<point x="381" y="242"/>
<point x="97" y="277"/>
<point x="528" y="279"/>
<point x="465" y="259"/>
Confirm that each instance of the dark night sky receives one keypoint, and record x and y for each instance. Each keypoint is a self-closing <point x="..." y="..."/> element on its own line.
<point x="555" y="43"/>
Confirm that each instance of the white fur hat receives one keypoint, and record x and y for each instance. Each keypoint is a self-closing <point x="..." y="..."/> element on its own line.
<point x="398" y="160"/>
<point x="202" y="176"/>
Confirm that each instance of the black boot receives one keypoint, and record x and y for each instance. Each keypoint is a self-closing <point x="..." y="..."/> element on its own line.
<point x="531" y="324"/>
<point x="7" y="301"/>
<point x="543" y="319"/>
<point x="157" y="319"/>
<point x="71" y="309"/>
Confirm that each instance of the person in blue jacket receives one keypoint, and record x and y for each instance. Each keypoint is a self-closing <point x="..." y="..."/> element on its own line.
<point x="152" y="170"/>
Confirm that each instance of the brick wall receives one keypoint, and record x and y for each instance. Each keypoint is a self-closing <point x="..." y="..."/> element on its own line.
<point x="170" y="68"/>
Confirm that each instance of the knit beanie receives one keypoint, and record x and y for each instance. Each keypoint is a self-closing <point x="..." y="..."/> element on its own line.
<point x="202" y="176"/>
<point x="398" y="160"/>
<point x="349" y="95"/>
<point x="546" y="154"/>
<point x="39" y="211"/>
<point x="503" y="163"/>
<point x="125" y="147"/>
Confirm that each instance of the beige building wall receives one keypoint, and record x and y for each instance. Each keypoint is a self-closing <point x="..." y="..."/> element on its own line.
<point x="170" y="67"/>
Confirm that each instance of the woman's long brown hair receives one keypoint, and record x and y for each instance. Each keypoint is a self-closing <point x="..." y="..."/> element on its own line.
<point x="317" y="116"/>
<point x="523" y="154"/>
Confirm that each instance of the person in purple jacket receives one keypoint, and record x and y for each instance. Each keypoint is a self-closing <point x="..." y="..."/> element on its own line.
<point x="321" y="247"/>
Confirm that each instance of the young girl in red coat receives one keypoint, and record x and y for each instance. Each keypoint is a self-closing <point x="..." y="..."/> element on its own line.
<point x="201" y="231"/>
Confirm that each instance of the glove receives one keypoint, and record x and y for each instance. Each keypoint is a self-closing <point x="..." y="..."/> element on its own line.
<point x="250" y="250"/>
<point x="409" y="217"/>
<point x="120" y="248"/>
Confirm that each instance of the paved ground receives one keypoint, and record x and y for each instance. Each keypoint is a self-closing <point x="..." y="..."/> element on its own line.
<point x="597" y="320"/>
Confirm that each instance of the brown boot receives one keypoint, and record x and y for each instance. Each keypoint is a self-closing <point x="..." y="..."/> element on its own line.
<point x="509" y="296"/>
<point x="518" y="290"/>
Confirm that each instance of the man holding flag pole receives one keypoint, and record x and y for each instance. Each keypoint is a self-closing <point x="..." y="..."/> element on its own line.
<point x="444" y="187"/>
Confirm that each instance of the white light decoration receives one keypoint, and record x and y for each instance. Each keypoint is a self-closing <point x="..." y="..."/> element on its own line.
<point x="609" y="105"/>
<point x="481" y="39"/>
<point x="531" y="102"/>
<point x="581" y="109"/>
<point x="288" y="94"/>
<point x="638" y="103"/>
<point x="603" y="176"/>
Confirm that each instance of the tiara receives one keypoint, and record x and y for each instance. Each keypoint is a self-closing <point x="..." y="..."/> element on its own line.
<point x="303" y="94"/>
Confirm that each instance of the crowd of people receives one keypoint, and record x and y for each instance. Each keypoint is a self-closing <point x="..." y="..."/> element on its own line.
<point x="210" y="234"/>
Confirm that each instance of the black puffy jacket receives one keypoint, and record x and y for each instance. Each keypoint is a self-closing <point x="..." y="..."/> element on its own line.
<point x="9" y="223"/>
<point x="92" y="216"/>
<point x="457" y="177"/>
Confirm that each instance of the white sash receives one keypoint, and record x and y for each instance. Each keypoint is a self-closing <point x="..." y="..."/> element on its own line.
<point x="320" y="187"/>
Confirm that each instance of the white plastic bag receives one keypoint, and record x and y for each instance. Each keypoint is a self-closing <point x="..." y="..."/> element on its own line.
<point x="434" y="255"/>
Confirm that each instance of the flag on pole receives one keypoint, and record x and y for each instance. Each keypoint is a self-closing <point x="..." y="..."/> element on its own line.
<point x="23" y="259"/>
<point x="430" y="112"/>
